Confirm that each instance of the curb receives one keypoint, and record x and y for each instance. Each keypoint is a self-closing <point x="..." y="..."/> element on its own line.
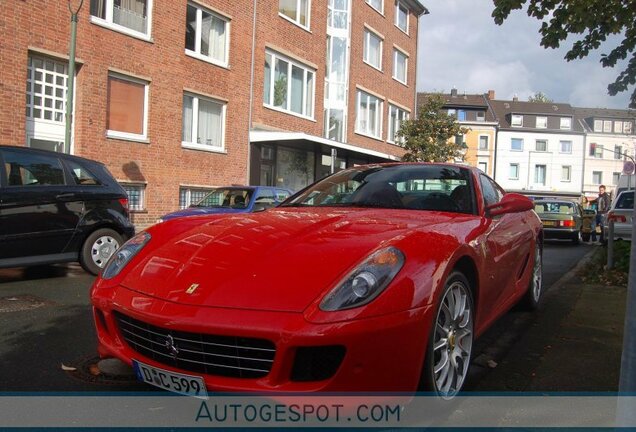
<point x="571" y="274"/>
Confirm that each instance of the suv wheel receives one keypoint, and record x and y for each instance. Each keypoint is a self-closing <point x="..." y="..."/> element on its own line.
<point x="98" y="247"/>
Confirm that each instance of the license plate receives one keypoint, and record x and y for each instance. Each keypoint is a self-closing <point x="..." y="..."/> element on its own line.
<point x="549" y="223"/>
<point x="188" y="385"/>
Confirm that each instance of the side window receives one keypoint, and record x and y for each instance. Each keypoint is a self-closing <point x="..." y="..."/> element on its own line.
<point x="25" y="169"/>
<point x="281" y="195"/>
<point x="492" y="193"/>
<point x="265" y="198"/>
<point x="81" y="175"/>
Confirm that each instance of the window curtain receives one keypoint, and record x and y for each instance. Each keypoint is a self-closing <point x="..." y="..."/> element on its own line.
<point x="210" y="123"/>
<point x="187" y="119"/>
<point x="217" y="39"/>
<point x="131" y="14"/>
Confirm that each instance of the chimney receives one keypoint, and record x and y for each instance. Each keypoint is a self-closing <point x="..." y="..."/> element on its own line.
<point x="491" y="95"/>
<point x="454" y="92"/>
<point x="515" y="98"/>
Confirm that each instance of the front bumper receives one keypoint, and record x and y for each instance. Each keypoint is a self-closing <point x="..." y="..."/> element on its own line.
<point x="383" y="353"/>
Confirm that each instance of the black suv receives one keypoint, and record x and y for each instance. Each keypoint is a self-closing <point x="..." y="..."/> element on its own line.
<point x="58" y="208"/>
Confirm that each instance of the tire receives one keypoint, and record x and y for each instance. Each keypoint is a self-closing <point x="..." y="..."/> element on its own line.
<point x="577" y="238"/>
<point x="441" y="374"/>
<point x="532" y="298"/>
<point x="98" y="248"/>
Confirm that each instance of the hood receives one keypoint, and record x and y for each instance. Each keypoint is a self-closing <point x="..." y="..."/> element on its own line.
<point x="198" y="211"/>
<point x="282" y="259"/>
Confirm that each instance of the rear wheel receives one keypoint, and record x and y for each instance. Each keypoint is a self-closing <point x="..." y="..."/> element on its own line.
<point x="576" y="239"/>
<point x="450" y="342"/>
<point x="532" y="298"/>
<point x="98" y="247"/>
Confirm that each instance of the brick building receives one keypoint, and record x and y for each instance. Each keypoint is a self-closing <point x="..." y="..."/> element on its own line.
<point x="178" y="96"/>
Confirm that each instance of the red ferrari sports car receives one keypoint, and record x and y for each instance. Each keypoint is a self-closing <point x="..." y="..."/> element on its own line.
<point x="376" y="278"/>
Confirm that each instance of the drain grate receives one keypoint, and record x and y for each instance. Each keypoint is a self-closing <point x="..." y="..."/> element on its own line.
<point x="87" y="369"/>
<point x="22" y="303"/>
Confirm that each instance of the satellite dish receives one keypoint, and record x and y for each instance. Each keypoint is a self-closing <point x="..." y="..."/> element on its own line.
<point x="628" y="168"/>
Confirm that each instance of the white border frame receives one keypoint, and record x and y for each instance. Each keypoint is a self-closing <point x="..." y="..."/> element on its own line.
<point x="127" y="135"/>
<point x="108" y="22"/>
<point x="195" y="123"/>
<point x="396" y="52"/>
<point x="398" y="3"/>
<point x="365" y="45"/>
<point x="380" y="11"/>
<point x="380" y="112"/>
<point x="297" y="22"/>
<point x="390" y="123"/>
<point x="197" y="36"/>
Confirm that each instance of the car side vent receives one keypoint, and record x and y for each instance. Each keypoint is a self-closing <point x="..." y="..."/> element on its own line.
<point x="524" y="266"/>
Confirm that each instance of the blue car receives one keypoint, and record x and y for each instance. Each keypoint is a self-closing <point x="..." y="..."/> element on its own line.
<point x="234" y="199"/>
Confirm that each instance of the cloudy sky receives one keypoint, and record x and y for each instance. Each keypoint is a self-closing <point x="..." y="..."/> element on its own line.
<point x="460" y="46"/>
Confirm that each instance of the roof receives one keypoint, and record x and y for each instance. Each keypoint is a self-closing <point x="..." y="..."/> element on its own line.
<point x="474" y="101"/>
<point x="586" y="116"/>
<point x="417" y="6"/>
<point x="504" y="108"/>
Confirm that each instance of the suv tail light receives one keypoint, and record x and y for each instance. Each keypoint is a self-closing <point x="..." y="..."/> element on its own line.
<point x="616" y="218"/>
<point x="124" y="203"/>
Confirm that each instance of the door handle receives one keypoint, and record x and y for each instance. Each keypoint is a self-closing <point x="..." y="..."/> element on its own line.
<point x="65" y="195"/>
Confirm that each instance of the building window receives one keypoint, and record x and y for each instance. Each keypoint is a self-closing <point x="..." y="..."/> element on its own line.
<point x="396" y="117"/>
<point x="136" y="196"/>
<point x="517" y="120"/>
<point x="539" y="174"/>
<point x="297" y="11"/>
<point x="127" y="110"/>
<point x="542" y="123"/>
<point x="203" y="123"/>
<point x="565" y="146"/>
<point x="627" y="127"/>
<point x="618" y="152"/>
<point x="127" y="16"/>
<point x="189" y="196"/>
<point x="400" y="65"/>
<point x="452" y="112"/>
<point x="483" y="142"/>
<point x="596" y="150"/>
<point x="289" y="86"/>
<point x="207" y="35"/>
<point x="615" y="178"/>
<point x="513" y="172"/>
<point x="618" y="127"/>
<point x="516" y="144"/>
<point x="598" y="125"/>
<point x="566" y="123"/>
<point x="597" y="177"/>
<point x="566" y="173"/>
<point x="483" y="166"/>
<point x="377" y="5"/>
<point x="369" y="115"/>
<point x="481" y="116"/>
<point x="541" y="145"/>
<point x="461" y="115"/>
<point x="607" y="126"/>
<point x="402" y="17"/>
<point x="372" y="49"/>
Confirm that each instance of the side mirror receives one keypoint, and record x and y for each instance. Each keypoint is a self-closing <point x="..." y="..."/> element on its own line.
<point x="510" y="203"/>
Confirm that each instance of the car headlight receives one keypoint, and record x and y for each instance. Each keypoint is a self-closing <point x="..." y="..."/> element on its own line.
<point x="124" y="254"/>
<point x="366" y="281"/>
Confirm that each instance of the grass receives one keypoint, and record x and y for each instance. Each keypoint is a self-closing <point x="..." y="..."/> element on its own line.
<point x="596" y="272"/>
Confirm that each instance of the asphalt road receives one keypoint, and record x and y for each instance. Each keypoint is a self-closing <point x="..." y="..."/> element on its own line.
<point x="55" y="328"/>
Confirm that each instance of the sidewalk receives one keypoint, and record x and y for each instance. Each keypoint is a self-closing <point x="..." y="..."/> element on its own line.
<point x="573" y="344"/>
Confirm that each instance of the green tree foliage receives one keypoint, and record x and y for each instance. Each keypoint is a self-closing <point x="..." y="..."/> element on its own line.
<point x="540" y="97"/>
<point x="592" y="21"/>
<point x="431" y="136"/>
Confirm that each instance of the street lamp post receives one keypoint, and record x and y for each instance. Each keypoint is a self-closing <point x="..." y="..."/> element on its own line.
<point x="71" y="75"/>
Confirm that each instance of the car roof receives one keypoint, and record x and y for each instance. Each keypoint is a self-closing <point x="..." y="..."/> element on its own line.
<point x="50" y="153"/>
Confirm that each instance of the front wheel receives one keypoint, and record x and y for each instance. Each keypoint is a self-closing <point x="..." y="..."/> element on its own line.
<point x="535" y="287"/>
<point x="451" y="340"/>
<point x="98" y="247"/>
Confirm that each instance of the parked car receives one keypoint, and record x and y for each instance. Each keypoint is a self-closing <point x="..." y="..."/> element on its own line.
<point x="561" y="219"/>
<point x="234" y="199"/>
<point x="621" y="212"/>
<point x="376" y="278"/>
<point x="57" y="208"/>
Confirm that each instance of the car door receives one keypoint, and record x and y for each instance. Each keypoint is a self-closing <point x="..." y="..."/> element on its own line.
<point x="507" y="246"/>
<point x="38" y="214"/>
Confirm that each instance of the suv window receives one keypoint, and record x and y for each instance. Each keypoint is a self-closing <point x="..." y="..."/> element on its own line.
<point x="81" y="175"/>
<point x="28" y="169"/>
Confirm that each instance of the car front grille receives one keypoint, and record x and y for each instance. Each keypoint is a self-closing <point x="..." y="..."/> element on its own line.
<point x="228" y="356"/>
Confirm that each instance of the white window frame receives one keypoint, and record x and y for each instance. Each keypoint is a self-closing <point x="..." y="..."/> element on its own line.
<point x="543" y="124"/>
<point x="481" y="116"/>
<point x="479" y="147"/>
<point x="307" y="70"/>
<point x="109" y="23"/>
<point x="607" y="126"/>
<point x="514" y="149"/>
<point x="518" y="122"/>
<point x="366" y="46"/>
<point x="127" y="135"/>
<point x="195" y="124"/>
<point x="516" y="167"/>
<point x="618" y="152"/>
<point x="598" y="125"/>
<point x="618" y="127"/>
<point x="545" y="174"/>
<point x="600" y="177"/>
<point x="188" y="194"/>
<point x="397" y="52"/>
<point x="616" y="178"/>
<point x="567" y="178"/>
<point x="142" y="196"/>
<point x="197" y="37"/>
<point x="561" y="146"/>
<point x="399" y="4"/>
<point x="401" y="113"/>
<point x="627" y="127"/>
<point x="381" y="10"/>
<point x="297" y="20"/>
<point x="565" y="123"/>
<point x="379" y="114"/>
<point x="485" y="167"/>
<point x="536" y="145"/>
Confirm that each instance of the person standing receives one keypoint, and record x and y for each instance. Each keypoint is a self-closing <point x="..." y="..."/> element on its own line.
<point x="602" y="207"/>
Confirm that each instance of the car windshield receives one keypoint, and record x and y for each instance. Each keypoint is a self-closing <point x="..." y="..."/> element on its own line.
<point x="235" y="198"/>
<point x="413" y="187"/>
<point x="555" y="207"/>
<point x="625" y="201"/>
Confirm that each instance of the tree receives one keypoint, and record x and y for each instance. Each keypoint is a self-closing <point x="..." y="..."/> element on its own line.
<point x="592" y="21"/>
<point x="540" y="97"/>
<point x="431" y="136"/>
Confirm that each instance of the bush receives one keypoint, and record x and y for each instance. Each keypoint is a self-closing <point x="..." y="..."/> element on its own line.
<point x="596" y="272"/>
